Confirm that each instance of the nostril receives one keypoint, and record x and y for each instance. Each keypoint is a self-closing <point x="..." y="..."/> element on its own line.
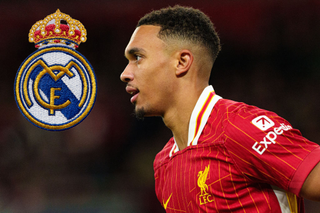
<point x="124" y="78"/>
<point x="127" y="79"/>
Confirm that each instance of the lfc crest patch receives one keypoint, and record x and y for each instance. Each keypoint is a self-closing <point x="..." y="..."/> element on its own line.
<point x="204" y="196"/>
<point x="55" y="87"/>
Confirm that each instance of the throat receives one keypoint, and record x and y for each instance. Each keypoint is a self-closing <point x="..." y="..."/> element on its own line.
<point x="182" y="142"/>
<point x="179" y="126"/>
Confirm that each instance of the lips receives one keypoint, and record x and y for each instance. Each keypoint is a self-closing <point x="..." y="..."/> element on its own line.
<point x="132" y="91"/>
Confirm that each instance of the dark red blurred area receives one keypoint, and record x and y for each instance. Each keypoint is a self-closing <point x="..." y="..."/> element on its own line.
<point x="270" y="58"/>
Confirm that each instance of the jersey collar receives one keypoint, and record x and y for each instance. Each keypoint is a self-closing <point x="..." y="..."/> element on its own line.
<point x="199" y="117"/>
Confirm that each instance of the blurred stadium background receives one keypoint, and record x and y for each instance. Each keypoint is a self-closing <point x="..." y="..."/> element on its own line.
<point x="270" y="58"/>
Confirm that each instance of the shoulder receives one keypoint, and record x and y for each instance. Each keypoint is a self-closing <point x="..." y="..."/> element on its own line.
<point x="239" y="113"/>
<point x="238" y="108"/>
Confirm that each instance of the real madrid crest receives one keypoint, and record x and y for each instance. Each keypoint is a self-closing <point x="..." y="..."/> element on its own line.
<point x="55" y="87"/>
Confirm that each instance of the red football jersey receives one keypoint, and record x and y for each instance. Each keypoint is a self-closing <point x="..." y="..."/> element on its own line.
<point x="239" y="159"/>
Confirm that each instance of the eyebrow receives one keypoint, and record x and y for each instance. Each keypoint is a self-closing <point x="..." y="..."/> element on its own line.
<point x="134" y="51"/>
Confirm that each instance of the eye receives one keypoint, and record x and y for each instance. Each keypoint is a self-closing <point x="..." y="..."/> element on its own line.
<point x="138" y="58"/>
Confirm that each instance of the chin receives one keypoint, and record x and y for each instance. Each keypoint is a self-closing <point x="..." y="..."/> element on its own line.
<point x="140" y="113"/>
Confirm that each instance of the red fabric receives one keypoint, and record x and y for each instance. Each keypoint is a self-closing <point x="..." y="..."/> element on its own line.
<point x="239" y="178"/>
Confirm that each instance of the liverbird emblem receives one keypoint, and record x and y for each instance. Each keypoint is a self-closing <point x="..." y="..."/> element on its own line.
<point x="204" y="196"/>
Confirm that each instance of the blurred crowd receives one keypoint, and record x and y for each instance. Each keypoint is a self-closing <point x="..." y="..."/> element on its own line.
<point x="270" y="58"/>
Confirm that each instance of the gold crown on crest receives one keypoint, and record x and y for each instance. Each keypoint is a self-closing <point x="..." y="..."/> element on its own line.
<point x="52" y="31"/>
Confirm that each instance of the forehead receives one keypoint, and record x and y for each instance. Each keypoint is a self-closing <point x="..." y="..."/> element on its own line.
<point x="145" y="38"/>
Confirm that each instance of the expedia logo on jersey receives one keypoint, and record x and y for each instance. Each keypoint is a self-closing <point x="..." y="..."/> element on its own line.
<point x="55" y="87"/>
<point x="264" y="123"/>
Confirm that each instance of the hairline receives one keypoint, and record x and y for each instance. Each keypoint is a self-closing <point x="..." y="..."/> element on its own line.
<point x="175" y="42"/>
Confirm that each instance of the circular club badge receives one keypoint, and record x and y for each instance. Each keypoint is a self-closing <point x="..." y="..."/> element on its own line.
<point x="55" y="87"/>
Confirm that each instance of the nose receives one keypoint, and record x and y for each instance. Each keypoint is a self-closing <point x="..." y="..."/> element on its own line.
<point x="126" y="76"/>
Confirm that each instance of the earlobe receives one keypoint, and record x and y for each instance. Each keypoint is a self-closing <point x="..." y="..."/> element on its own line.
<point x="185" y="60"/>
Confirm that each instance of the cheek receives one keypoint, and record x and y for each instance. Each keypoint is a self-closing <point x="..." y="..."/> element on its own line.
<point x="158" y="74"/>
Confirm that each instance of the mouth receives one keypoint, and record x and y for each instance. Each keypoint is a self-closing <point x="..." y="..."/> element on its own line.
<point x="132" y="91"/>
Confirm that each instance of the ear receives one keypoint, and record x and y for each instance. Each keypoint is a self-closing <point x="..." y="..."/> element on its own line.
<point x="185" y="60"/>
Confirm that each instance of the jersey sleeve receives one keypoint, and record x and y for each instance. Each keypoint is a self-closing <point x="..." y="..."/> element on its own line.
<point x="266" y="148"/>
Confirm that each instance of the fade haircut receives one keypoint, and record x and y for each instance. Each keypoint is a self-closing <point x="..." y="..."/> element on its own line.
<point x="185" y="23"/>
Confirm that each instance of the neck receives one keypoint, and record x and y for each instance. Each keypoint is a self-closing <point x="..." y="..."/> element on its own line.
<point x="178" y="117"/>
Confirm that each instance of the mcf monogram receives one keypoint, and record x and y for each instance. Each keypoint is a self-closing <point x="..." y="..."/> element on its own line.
<point x="49" y="70"/>
<point x="204" y="196"/>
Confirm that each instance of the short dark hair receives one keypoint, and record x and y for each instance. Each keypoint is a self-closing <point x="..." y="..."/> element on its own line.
<point x="186" y="23"/>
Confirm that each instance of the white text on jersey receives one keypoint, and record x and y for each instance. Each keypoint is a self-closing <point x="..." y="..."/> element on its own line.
<point x="270" y="138"/>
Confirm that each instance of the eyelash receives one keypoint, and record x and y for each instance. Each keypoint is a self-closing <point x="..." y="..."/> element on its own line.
<point x="138" y="57"/>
